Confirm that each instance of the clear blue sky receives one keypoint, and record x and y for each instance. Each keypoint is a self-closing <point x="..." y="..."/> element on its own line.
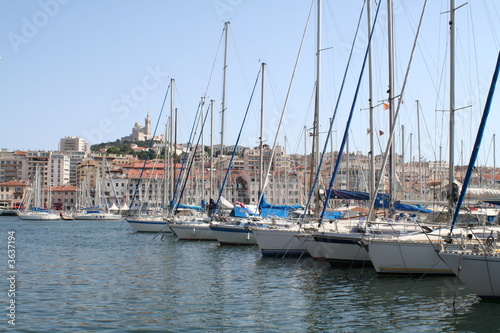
<point x="93" y="68"/>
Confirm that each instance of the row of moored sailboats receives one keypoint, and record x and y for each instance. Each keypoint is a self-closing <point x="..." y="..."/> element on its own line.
<point x="398" y="244"/>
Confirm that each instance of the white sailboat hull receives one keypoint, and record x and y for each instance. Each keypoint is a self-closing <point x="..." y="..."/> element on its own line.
<point x="418" y="253"/>
<point x="148" y="224"/>
<point x="277" y="242"/>
<point x="391" y="256"/>
<point x="340" y="248"/>
<point x="233" y="234"/>
<point x="479" y="272"/>
<point x="97" y="216"/>
<point x="192" y="231"/>
<point x="37" y="216"/>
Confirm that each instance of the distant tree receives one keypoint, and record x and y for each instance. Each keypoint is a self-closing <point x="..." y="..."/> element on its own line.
<point x="127" y="150"/>
<point x="113" y="150"/>
<point x="142" y="155"/>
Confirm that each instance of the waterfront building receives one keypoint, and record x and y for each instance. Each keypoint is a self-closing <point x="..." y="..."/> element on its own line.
<point x="13" y="165"/>
<point x="70" y="144"/>
<point x="75" y="158"/>
<point x="62" y="197"/>
<point x="38" y="160"/>
<point x="59" y="164"/>
<point x="12" y="193"/>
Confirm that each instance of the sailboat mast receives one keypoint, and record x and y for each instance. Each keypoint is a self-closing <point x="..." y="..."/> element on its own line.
<point x="223" y="105"/>
<point x="403" y="179"/>
<point x="420" y="193"/>
<point x="390" y="42"/>
<point x="212" y="102"/>
<point x="304" y="192"/>
<point x="261" y="139"/>
<point x="370" y="105"/>
<point x="315" y="146"/>
<point x="202" y="192"/>
<point x="166" y="167"/>
<point x="172" y="149"/>
<point x="452" y="106"/>
<point x="494" y="163"/>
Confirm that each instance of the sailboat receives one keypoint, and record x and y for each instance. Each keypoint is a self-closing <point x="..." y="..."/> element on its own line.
<point x="237" y="229"/>
<point x="477" y="267"/>
<point x="33" y="210"/>
<point x="282" y="235"/>
<point x="340" y="244"/>
<point x="156" y="221"/>
<point x="188" y="222"/>
<point x="417" y="253"/>
<point x="96" y="212"/>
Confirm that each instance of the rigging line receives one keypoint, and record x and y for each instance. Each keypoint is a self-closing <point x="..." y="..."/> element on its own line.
<point x="346" y="132"/>
<point x="416" y="281"/>
<point x="477" y="143"/>
<point x="271" y="157"/>
<point x="149" y="181"/>
<point x="492" y="27"/>
<point x="236" y="145"/>
<point x="334" y="116"/>
<point x="149" y="150"/>
<point x="475" y="55"/>
<point x="193" y="157"/>
<point x="429" y="137"/>
<point x="215" y="61"/>
<point x="179" y="181"/>
<point x="438" y="137"/>
<point x="391" y="136"/>
<point x="274" y="88"/>
<point x="245" y="78"/>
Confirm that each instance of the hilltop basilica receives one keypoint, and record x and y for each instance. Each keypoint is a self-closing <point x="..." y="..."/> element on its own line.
<point x="142" y="133"/>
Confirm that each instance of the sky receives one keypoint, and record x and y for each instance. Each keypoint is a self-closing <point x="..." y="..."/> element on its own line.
<point x="94" y="68"/>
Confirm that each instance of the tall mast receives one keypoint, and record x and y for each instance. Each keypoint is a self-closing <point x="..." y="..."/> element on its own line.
<point x="494" y="164"/>
<point x="411" y="166"/>
<point x="212" y="102"/>
<point x="370" y="106"/>
<point x="305" y="162"/>
<point x="171" y="140"/>
<point x="315" y="147"/>
<point x="420" y="193"/>
<point x="403" y="179"/>
<point x="202" y="192"/>
<point x="261" y="141"/>
<point x="390" y="42"/>
<point x="452" y="106"/>
<point x="221" y="153"/>
<point x="165" y="167"/>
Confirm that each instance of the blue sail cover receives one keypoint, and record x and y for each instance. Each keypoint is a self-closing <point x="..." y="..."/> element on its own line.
<point x="36" y="209"/>
<point x="381" y="202"/>
<point x="241" y="212"/>
<point x="332" y="215"/>
<point x="189" y="207"/>
<point x="267" y="209"/>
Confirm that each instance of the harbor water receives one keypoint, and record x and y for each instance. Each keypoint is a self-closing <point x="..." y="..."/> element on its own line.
<point x="101" y="276"/>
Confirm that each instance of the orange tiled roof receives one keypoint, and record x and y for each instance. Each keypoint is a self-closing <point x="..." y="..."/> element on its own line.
<point x="13" y="183"/>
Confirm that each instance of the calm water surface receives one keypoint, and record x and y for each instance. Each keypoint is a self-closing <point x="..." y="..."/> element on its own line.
<point x="87" y="276"/>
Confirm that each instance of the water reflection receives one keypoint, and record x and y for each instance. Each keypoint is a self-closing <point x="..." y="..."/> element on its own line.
<point x="98" y="276"/>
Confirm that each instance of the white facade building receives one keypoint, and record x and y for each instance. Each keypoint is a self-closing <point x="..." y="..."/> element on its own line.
<point x="73" y="143"/>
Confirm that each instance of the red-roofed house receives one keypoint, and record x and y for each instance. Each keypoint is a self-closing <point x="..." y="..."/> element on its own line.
<point x="11" y="193"/>
<point x="63" y="197"/>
